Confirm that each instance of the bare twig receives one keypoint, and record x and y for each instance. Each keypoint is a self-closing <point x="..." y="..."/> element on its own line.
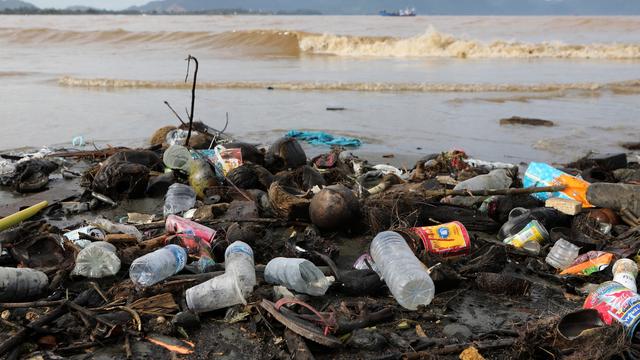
<point x="193" y="94"/>
<point x="174" y="112"/>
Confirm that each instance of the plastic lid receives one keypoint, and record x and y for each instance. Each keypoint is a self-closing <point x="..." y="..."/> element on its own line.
<point x="625" y="266"/>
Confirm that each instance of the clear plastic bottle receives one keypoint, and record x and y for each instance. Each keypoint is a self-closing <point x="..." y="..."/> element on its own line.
<point x="97" y="260"/>
<point x="562" y="254"/>
<point x="300" y="275"/>
<point x="158" y="265"/>
<point x="407" y="278"/>
<point x="179" y="198"/>
<point x="238" y="261"/>
<point x="228" y="289"/>
<point x="21" y="284"/>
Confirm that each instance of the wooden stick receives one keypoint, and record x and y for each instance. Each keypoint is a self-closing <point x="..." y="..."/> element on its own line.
<point x="456" y="348"/>
<point x="489" y="192"/>
<point x="120" y="238"/>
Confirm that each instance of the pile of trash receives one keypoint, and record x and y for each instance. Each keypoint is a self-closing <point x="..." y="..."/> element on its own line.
<point x="203" y="247"/>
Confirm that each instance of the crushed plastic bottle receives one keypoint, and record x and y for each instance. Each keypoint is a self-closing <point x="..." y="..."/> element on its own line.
<point x="113" y="228"/>
<point x="407" y="278"/>
<point x="97" y="260"/>
<point x="74" y="235"/>
<point x="300" y="275"/>
<point x="158" y="265"/>
<point x="562" y="254"/>
<point x="179" y="198"/>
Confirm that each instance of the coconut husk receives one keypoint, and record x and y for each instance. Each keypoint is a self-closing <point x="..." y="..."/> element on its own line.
<point x="501" y="284"/>
<point x="289" y="202"/>
<point x="334" y="207"/>
<point x="160" y="135"/>
<point x="121" y="179"/>
<point x="539" y="339"/>
<point x="142" y="157"/>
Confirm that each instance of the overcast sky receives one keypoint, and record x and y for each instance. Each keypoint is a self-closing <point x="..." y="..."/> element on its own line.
<point x="100" y="4"/>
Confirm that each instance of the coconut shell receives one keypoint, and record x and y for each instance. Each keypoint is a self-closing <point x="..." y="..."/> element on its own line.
<point x="288" y="202"/>
<point x="334" y="207"/>
<point x="250" y="176"/>
<point x="160" y="135"/>
<point x="311" y="177"/>
<point x="285" y="153"/>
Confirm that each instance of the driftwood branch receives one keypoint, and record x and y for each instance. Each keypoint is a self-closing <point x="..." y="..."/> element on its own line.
<point x="489" y="192"/>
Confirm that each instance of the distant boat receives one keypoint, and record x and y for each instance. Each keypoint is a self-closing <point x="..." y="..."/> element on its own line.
<point x="405" y="12"/>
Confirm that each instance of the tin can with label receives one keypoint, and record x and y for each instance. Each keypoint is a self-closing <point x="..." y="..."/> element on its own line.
<point x="616" y="302"/>
<point x="534" y="231"/>
<point x="446" y="240"/>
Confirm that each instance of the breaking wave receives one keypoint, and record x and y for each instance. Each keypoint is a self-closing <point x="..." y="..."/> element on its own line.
<point x="102" y="83"/>
<point x="293" y="43"/>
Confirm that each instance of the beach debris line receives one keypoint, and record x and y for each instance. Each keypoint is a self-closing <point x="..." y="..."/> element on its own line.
<point x="203" y="244"/>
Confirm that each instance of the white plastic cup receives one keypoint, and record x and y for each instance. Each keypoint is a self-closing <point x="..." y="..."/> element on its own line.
<point x="177" y="157"/>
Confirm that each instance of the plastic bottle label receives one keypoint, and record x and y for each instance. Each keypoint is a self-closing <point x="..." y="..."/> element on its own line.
<point x="242" y="249"/>
<point x="615" y="302"/>
<point x="179" y="254"/>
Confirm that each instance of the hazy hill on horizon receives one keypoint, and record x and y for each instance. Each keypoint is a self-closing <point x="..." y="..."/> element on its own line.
<point x="424" y="7"/>
<point x="15" y="4"/>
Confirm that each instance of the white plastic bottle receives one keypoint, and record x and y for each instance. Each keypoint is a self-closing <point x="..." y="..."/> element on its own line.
<point x="97" y="260"/>
<point x="300" y="275"/>
<point x="158" y="265"/>
<point x="238" y="261"/>
<point x="407" y="278"/>
<point x="179" y="198"/>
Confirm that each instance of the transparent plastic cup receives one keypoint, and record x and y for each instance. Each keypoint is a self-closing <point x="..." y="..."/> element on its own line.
<point x="218" y="293"/>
